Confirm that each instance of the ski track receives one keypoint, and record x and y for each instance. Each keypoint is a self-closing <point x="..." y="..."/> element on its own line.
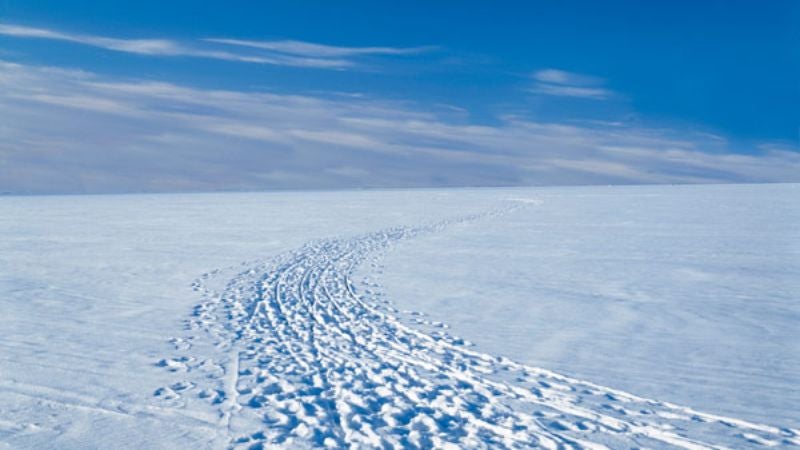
<point x="315" y="361"/>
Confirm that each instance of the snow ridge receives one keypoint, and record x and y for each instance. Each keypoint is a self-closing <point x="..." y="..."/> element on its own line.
<point x="316" y="361"/>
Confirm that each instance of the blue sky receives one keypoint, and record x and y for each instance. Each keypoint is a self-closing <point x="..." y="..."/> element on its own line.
<point x="164" y="96"/>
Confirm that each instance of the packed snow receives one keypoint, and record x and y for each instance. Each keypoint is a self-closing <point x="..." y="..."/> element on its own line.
<point x="618" y="317"/>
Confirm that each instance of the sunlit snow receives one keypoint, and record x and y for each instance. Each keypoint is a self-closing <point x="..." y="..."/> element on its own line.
<point x="616" y="317"/>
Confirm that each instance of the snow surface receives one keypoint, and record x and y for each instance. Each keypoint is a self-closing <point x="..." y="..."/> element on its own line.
<point x="688" y="294"/>
<point x="131" y="321"/>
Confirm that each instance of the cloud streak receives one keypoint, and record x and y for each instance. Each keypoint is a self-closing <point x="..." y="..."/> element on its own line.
<point x="561" y="83"/>
<point x="74" y="131"/>
<point x="307" y="49"/>
<point x="279" y="53"/>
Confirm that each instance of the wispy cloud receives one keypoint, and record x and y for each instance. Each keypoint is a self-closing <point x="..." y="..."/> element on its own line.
<point x="569" y="84"/>
<point x="279" y="53"/>
<point x="307" y="49"/>
<point x="155" y="136"/>
<point x="567" y="78"/>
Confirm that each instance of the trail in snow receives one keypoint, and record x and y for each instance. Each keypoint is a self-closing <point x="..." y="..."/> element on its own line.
<point x="316" y="361"/>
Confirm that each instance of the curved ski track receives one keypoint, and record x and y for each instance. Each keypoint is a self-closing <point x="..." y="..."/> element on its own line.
<point x="316" y="362"/>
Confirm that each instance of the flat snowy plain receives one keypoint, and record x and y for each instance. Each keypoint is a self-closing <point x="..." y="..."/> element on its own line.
<point x="423" y="318"/>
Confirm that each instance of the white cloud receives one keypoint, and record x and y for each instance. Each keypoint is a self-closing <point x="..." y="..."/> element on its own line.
<point x="571" y="91"/>
<point x="141" y="46"/>
<point x="73" y="131"/>
<point x="568" y="78"/>
<point x="561" y="83"/>
<point x="280" y="53"/>
<point x="299" y="48"/>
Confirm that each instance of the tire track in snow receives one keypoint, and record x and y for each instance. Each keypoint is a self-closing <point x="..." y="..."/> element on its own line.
<point x="319" y="363"/>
